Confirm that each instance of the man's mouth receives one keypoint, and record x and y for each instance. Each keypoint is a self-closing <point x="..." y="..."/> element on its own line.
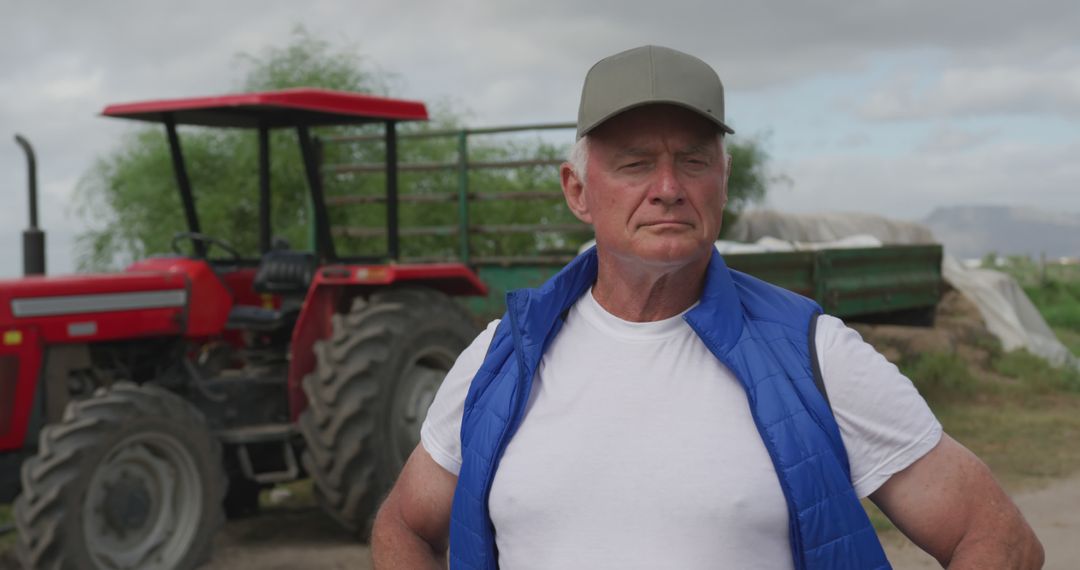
<point x="664" y="223"/>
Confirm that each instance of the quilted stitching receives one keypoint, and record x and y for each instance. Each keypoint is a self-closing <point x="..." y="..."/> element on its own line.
<point x="829" y="527"/>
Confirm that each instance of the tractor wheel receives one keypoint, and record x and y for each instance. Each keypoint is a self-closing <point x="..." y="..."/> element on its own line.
<point x="374" y="380"/>
<point x="130" y="478"/>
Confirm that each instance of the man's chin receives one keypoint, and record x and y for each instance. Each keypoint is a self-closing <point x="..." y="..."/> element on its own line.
<point x="669" y="254"/>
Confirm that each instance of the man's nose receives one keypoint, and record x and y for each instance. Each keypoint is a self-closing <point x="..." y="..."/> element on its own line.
<point x="666" y="189"/>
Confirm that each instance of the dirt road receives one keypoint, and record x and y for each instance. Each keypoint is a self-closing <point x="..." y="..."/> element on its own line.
<point x="307" y="539"/>
<point x="286" y="540"/>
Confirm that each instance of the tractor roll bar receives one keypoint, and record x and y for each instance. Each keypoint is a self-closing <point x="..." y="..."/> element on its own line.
<point x="324" y="245"/>
<point x="264" y="188"/>
<point x="391" y="191"/>
<point x="184" y="183"/>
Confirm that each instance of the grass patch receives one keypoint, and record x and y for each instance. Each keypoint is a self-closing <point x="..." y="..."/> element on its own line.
<point x="945" y="378"/>
<point x="1058" y="301"/>
<point x="1021" y="416"/>
<point x="1029" y="272"/>
<point x="940" y="375"/>
<point x="1035" y="375"/>
<point x="1070" y="338"/>
<point x="7" y="541"/>
<point x="1055" y="292"/>
<point x="1024" y="441"/>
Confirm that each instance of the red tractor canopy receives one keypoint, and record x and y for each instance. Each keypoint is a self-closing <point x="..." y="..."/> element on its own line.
<point x="306" y="107"/>
<point x="300" y="109"/>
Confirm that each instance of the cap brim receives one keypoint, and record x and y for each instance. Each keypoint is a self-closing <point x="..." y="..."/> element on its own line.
<point x="720" y="124"/>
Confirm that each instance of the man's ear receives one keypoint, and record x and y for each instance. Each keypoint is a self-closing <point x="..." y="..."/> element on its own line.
<point x="573" y="189"/>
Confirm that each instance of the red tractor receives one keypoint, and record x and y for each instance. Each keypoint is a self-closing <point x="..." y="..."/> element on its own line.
<point x="144" y="405"/>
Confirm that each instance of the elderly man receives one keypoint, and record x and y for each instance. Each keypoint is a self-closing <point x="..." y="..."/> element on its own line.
<point x="649" y="408"/>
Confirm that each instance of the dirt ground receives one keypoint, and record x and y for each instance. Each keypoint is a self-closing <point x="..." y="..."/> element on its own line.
<point x="305" y="538"/>
<point x="287" y="539"/>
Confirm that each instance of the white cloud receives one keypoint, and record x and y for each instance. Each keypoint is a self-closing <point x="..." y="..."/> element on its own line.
<point x="989" y="90"/>
<point x="515" y="61"/>
<point x="853" y="141"/>
<point x="73" y="88"/>
<point x="952" y="139"/>
<point x="908" y="186"/>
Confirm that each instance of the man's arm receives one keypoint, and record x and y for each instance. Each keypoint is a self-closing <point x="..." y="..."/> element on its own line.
<point x="413" y="525"/>
<point x="949" y="504"/>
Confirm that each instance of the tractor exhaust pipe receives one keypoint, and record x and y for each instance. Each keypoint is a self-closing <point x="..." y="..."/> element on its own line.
<point x="33" y="237"/>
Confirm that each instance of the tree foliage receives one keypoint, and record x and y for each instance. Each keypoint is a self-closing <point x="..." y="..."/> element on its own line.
<point x="130" y="199"/>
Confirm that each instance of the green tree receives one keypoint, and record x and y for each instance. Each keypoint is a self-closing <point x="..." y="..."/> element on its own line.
<point x="130" y="197"/>
<point x="749" y="179"/>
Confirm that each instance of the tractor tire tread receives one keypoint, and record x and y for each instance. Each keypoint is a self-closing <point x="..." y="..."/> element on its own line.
<point x="347" y="391"/>
<point x="42" y="506"/>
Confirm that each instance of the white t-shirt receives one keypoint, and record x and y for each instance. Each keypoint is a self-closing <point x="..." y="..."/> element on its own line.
<point x="638" y="450"/>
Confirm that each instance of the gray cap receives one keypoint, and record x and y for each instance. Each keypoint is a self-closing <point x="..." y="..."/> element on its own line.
<point x="645" y="75"/>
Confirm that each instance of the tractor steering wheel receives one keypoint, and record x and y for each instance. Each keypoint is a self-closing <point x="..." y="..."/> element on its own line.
<point x="209" y="241"/>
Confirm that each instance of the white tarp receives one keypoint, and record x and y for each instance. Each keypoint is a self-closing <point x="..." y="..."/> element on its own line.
<point x="756" y="224"/>
<point x="769" y="243"/>
<point x="1008" y="312"/>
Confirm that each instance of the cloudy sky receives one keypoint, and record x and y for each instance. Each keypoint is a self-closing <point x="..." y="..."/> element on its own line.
<point x="876" y="106"/>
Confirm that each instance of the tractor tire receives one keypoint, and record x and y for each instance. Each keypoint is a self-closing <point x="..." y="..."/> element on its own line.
<point x="129" y="478"/>
<point x="368" y="396"/>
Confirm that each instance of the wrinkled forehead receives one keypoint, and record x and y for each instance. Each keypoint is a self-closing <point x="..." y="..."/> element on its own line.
<point x="653" y="126"/>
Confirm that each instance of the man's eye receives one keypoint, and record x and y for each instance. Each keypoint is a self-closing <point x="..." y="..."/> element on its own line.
<point x="635" y="164"/>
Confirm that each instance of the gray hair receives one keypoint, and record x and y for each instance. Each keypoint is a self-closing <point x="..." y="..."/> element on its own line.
<point x="579" y="155"/>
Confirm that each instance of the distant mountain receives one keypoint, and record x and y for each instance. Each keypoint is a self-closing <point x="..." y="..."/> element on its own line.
<point x="974" y="231"/>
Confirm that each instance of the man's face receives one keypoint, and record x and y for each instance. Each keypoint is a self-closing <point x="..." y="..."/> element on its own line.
<point x="656" y="186"/>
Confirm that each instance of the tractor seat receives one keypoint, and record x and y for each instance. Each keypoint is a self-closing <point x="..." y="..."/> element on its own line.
<point x="247" y="317"/>
<point x="285" y="272"/>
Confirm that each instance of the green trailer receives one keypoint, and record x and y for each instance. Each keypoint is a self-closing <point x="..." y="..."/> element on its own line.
<point x="485" y="203"/>
<point x="899" y="284"/>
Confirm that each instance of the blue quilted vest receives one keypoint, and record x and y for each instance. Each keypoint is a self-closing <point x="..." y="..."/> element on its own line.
<point x="760" y="332"/>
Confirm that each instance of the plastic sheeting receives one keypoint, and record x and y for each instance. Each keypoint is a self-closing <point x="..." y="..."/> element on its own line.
<point x="756" y="224"/>
<point x="769" y="243"/>
<point x="1009" y="313"/>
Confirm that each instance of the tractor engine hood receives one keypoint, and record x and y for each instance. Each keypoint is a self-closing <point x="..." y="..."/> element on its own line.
<point x="156" y="297"/>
